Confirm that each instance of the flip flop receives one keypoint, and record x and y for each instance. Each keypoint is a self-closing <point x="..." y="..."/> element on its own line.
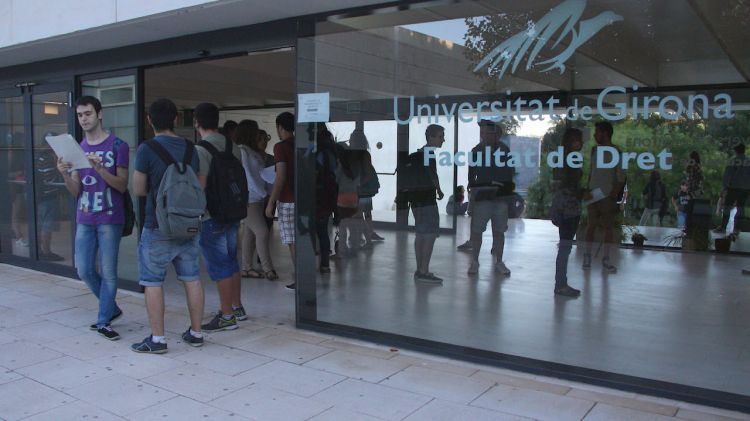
<point x="251" y="273"/>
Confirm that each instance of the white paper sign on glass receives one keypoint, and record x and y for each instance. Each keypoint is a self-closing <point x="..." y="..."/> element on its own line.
<point x="66" y="147"/>
<point x="313" y="108"/>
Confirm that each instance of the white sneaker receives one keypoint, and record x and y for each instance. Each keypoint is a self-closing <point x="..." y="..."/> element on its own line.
<point x="501" y="268"/>
<point x="473" y="268"/>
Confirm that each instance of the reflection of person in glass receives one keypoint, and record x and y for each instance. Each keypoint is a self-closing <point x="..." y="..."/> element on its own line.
<point x="49" y="184"/>
<point x="368" y="187"/>
<point x="655" y="196"/>
<point x="736" y="189"/>
<point x="101" y="210"/>
<point x="490" y="187"/>
<point x="566" y="210"/>
<point x="456" y="204"/>
<point x="605" y="187"/>
<point x="18" y="193"/>
<point x="424" y="206"/>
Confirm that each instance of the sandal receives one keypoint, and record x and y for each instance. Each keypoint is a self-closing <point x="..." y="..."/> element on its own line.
<point x="251" y="273"/>
<point x="271" y="275"/>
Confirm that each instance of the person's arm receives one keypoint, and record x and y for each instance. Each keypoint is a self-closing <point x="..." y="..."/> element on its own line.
<point x="71" y="178"/>
<point x="435" y="180"/>
<point x="255" y="183"/>
<point x="674" y="204"/>
<point x="140" y="183"/>
<point x="118" y="182"/>
<point x="278" y="185"/>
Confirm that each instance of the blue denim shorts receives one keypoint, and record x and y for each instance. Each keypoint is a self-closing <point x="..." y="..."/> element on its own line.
<point x="219" y="247"/>
<point x="426" y="218"/>
<point x="156" y="252"/>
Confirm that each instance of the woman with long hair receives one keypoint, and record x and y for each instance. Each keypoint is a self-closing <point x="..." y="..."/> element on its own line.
<point x="566" y="210"/>
<point x="254" y="236"/>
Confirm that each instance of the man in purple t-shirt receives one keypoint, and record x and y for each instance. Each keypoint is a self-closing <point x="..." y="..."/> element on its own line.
<point x="100" y="209"/>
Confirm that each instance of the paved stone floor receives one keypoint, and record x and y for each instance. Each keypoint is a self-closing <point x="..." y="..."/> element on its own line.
<point x="53" y="368"/>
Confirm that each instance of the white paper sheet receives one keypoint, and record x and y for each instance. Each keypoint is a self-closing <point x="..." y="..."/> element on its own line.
<point x="313" y="108"/>
<point x="268" y="174"/>
<point x="596" y="195"/>
<point x="69" y="150"/>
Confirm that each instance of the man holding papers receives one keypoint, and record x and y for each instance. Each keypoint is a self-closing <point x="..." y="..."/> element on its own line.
<point x="100" y="210"/>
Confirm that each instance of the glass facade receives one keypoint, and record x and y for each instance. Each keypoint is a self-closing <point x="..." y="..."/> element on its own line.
<point x="658" y="264"/>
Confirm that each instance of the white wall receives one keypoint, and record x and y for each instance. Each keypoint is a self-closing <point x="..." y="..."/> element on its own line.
<point x="30" y="20"/>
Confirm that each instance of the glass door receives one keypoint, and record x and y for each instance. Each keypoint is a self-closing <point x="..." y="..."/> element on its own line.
<point x="54" y="212"/>
<point x="14" y="228"/>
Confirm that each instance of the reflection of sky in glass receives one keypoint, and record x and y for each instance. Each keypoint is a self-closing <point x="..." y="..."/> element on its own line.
<point x="449" y="30"/>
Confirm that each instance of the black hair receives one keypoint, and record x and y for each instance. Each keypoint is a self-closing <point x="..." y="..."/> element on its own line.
<point x="286" y="121"/>
<point x="207" y="116"/>
<point x="228" y="126"/>
<point x="247" y="134"/>
<point x="695" y="157"/>
<point x="89" y="100"/>
<point x="739" y="149"/>
<point x="571" y="135"/>
<point x="433" y="130"/>
<point x="605" y="127"/>
<point x="162" y="113"/>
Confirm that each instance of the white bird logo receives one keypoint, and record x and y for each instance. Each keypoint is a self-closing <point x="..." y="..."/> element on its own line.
<point x="561" y="18"/>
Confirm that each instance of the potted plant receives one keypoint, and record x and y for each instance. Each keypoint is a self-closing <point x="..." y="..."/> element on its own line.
<point x="635" y="235"/>
<point x="723" y="244"/>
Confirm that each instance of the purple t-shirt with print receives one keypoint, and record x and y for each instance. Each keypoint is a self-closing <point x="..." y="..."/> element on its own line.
<point x="99" y="203"/>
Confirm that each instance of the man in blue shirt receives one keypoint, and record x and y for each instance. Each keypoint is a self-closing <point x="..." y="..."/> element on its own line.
<point x="156" y="251"/>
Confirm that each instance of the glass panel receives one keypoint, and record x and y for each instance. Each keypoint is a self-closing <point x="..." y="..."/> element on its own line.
<point x="537" y="69"/>
<point x="54" y="216"/>
<point x="119" y="118"/>
<point x="14" y="229"/>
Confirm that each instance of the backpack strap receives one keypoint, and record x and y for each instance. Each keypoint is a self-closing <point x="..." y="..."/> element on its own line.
<point x="167" y="158"/>
<point x="209" y="147"/>
<point x="161" y="152"/>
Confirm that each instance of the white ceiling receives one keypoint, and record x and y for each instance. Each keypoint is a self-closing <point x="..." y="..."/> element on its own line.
<point x="196" y="19"/>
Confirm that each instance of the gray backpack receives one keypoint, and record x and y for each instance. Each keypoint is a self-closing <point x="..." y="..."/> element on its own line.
<point x="180" y="201"/>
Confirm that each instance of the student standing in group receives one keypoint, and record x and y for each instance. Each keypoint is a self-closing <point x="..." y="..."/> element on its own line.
<point x="609" y="183"/>
<point x="255" y="229"/>
<point x="226" y="196"/>
<point x="100" y="213"/>
<point x="424" y="205"/>
<point x="566" y="210"/>
<point x="283" y="187"/>
<point x="157" y="249"/>
<point x="490" y="187"/>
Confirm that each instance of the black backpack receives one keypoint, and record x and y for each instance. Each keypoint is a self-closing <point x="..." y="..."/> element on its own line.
<point x="414" y="181"/>
<point x="226" y="185"/>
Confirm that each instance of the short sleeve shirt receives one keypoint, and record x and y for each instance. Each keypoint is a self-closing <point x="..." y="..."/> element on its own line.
<point x="605" y="178"/>
<point x="98" y="202"/>
<point x="284" y="152"/>
<point x="149" y="163"/>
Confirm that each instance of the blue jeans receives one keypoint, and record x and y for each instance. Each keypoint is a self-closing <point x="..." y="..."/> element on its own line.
<point x="156" y="251"/>
<point x="568" y="227"/>
<point x="106" y="240"/>
<point x="681" y="218"/>
<point x="218" y="243"/>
